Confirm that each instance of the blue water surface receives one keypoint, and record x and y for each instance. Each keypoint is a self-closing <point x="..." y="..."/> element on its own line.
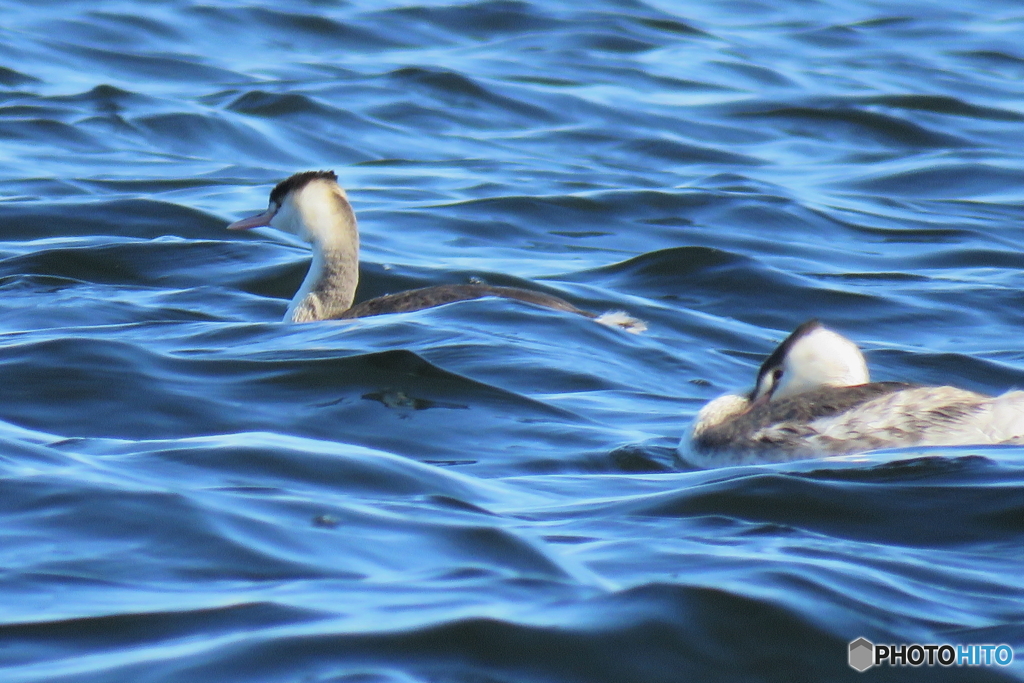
<point x="488" y="492"/>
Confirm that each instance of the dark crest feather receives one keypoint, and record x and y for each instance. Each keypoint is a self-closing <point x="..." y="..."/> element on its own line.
<point x="296" y="182"/>
<point x="775" y="359"/>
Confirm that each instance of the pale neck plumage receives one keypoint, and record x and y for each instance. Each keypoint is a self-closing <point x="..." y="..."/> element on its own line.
<point x="329" y="287"/>
<point x="320" y="213"/>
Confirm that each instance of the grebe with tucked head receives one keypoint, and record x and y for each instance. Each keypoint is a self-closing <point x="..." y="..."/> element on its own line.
<point x="313" y="207"/>
<point x="813" y="397"/>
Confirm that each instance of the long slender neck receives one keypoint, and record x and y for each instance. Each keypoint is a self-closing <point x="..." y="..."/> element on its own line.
<point x="328" y="290"/>
<point x="330" y="284"/>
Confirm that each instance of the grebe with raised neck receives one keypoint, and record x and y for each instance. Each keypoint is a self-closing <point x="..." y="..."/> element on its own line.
<point x="312" y="206"/>
<point x="813" y="397"/>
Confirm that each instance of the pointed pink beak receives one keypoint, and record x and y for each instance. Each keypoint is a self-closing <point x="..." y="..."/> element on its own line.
<point x="254" y="221"/>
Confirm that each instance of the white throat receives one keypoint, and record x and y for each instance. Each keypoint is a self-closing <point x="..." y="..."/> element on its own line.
<point x="313" y="277"/>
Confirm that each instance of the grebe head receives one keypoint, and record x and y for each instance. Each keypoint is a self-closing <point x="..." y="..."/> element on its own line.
<point x="313" y="207"/>
<point x="813" y="356"/>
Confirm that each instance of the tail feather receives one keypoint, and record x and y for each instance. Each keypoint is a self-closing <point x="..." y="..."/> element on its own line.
<point x="1008" y="417"/>
<point x="622" y="320"/>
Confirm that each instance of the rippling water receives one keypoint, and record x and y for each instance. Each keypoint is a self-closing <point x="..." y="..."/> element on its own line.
<point x="483" y="492"/>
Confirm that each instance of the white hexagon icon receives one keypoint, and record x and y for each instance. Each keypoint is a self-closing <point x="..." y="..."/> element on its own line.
<point x="862" y="654"/>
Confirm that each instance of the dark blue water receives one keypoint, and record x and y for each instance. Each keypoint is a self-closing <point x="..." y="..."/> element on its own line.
<point x="488" y="492"/>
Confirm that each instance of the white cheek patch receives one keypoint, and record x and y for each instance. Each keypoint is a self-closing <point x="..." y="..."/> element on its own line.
<point x="285" y="220"/>
<point x="822" y="358"/>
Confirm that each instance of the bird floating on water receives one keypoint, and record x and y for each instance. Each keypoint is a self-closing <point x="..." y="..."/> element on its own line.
<point x="813" y="397"/>
<point x="312" y="206"/>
